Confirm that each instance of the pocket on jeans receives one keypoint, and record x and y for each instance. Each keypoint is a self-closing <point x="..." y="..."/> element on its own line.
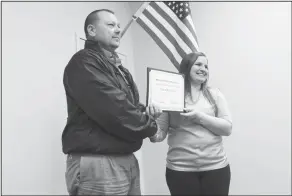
<point x="91" y="168"/>
<point x="117" y="168"/>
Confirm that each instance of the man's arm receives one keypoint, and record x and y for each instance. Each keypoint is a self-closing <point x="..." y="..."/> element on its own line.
<point x="106" y="104"/>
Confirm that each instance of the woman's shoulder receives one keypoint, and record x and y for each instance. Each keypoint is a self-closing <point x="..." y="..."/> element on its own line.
<point x="215" y="92"/>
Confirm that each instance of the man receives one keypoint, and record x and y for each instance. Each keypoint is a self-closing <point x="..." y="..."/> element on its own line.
<point x="106" y="123"/>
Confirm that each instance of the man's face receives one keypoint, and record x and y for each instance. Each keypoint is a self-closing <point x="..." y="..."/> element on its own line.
<point x="107" y="30"/>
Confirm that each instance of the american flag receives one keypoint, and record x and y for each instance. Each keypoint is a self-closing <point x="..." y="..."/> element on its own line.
<point x="170" y="25"/>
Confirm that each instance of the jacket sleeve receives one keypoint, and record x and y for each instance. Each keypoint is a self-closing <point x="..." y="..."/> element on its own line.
<point x="94" y="91"/>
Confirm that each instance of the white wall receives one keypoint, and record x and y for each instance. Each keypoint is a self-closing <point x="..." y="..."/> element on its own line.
<point x="38" y="41"/>
<point x="249" y="49"/>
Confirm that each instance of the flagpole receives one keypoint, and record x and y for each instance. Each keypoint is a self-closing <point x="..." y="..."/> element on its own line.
<point x="127" y="26"/>
<point x="134" y="17"/>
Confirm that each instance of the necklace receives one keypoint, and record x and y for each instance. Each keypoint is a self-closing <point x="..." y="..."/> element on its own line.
<point x="197" y="99"/>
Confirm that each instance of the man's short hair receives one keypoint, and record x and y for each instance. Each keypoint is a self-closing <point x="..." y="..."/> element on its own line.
<point x="92" y="17"/>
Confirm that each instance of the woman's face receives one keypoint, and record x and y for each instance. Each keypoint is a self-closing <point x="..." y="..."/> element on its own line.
<point x="199" y="71"/>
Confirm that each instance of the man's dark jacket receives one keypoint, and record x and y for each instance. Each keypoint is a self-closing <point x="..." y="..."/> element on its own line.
<point x="104" y="113"/>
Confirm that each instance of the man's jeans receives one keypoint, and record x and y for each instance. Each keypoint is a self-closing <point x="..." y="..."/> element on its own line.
<point x="102" y="175"/>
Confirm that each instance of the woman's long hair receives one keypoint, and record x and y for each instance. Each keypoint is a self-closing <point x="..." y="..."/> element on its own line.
<point x="185" y="68"/>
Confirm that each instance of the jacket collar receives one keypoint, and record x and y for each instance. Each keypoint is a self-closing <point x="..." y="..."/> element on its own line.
<point x="94" y="45"/>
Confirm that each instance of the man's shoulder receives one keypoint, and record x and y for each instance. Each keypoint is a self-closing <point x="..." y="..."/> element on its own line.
<point x="82" y="57"/>
<point x="83" y="53"/>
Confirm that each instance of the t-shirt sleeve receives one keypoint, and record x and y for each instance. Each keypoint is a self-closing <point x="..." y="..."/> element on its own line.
<point x="222" y="105"/>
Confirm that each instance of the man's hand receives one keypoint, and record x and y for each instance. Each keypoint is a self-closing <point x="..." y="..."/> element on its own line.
<point x="192" y="115"/>
<point x="153" y="110"/>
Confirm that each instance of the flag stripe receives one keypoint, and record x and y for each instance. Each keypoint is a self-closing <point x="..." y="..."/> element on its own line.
<point x="166" y="25"/>
<point x="176" y="23"/>
<point x="189" y="23"/>
<point x="159" y="42"/>
<point x="162" y="37"/>
<point x="165" y="31"/>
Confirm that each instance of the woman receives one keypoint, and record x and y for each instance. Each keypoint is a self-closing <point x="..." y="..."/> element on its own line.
<point x="196" y="161"/>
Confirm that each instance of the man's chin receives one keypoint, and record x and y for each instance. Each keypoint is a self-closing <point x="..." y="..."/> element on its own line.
<point x="115" y="46"/>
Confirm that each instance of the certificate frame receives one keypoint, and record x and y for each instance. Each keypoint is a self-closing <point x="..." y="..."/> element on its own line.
<point x="149" y="69"/>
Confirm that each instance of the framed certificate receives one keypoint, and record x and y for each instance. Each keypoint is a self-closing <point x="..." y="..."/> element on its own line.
<point x="165" y="88"/>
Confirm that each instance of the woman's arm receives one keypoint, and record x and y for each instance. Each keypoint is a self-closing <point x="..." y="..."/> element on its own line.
<point x="163" y="125"/>
<point x="220" y="125"/>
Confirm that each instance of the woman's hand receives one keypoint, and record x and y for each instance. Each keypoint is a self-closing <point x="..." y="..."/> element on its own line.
<point x="192" y="115"/>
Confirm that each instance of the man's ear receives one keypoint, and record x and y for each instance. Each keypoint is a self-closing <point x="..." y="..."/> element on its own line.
<point x="91" y="30"/>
